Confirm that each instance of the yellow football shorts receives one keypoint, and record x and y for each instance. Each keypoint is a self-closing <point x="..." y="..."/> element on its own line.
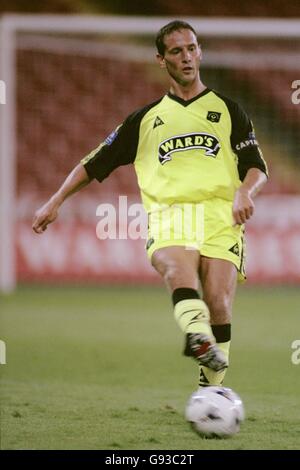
<point x="207" y="227"/>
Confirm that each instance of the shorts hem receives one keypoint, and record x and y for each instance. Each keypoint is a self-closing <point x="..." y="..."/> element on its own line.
<point x="207" y="253"/>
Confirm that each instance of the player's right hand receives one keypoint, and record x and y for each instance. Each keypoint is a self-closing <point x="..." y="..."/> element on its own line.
<point x="44" y="216"/>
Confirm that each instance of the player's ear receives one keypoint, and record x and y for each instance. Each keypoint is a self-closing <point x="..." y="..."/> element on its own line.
<point x="161" y="61"/>
<point x="200" y="50"/>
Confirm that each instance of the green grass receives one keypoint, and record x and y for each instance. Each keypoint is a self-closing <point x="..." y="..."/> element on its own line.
<point x="101" y="368"/>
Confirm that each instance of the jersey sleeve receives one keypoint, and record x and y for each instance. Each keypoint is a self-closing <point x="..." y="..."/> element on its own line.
<point x="118" y="149"/>
<point x="244" y="143"/>
<point x="243" y="140"/>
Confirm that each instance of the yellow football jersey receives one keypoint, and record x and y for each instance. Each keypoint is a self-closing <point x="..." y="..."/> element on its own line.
<point x="183" y="151"/>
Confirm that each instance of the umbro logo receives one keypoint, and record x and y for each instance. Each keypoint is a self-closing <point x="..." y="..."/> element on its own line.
<point x="157" y="122"/>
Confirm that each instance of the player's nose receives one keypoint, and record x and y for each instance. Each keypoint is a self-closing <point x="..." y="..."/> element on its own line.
<point x="186" y="56"/>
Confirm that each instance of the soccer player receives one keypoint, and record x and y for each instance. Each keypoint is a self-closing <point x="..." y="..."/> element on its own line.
<point x="199" y="167"/>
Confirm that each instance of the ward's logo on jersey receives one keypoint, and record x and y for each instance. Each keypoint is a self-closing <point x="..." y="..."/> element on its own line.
<point x="179" y="143"/>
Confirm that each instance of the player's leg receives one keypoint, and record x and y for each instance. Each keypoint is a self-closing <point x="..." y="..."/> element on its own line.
<point x="218" y="279"/>
<point x="179" y="268"/>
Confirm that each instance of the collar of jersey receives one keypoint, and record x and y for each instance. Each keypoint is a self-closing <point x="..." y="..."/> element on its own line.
<point x="187" y="102"/>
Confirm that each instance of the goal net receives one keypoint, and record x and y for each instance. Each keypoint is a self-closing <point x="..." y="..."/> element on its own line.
<point x="69" y="81"/>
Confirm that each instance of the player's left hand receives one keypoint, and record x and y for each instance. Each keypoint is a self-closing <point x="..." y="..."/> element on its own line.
<point x="243" y="207"/>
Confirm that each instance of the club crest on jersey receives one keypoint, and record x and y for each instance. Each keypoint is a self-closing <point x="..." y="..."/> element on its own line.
<point x="213" y="116"/>
<point x="180" y="143"/>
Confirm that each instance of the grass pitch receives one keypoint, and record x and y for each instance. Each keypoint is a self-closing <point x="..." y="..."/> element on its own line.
<point x="101" y="368"/>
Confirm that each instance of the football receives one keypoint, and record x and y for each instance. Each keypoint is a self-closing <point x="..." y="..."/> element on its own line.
<point x="215" y="411"/>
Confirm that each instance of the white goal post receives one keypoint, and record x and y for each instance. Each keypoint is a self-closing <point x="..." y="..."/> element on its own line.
<point x="11" y="25"/>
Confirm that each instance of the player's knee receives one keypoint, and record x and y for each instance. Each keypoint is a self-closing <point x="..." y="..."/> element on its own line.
<point x="174" y="275"/>
<point x="176" y="272"/>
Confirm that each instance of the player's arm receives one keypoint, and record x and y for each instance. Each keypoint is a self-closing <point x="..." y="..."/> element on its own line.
<point x="252" y="168"/>
<point x="243" y="205"/>
<point x="76" y="180"/>
<point x="119" y="148"/>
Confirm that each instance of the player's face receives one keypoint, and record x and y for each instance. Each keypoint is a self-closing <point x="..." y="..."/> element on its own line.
<point x="182" y="56"/>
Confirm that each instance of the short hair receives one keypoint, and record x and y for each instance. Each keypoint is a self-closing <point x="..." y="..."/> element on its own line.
<point x="168" y="29"/>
